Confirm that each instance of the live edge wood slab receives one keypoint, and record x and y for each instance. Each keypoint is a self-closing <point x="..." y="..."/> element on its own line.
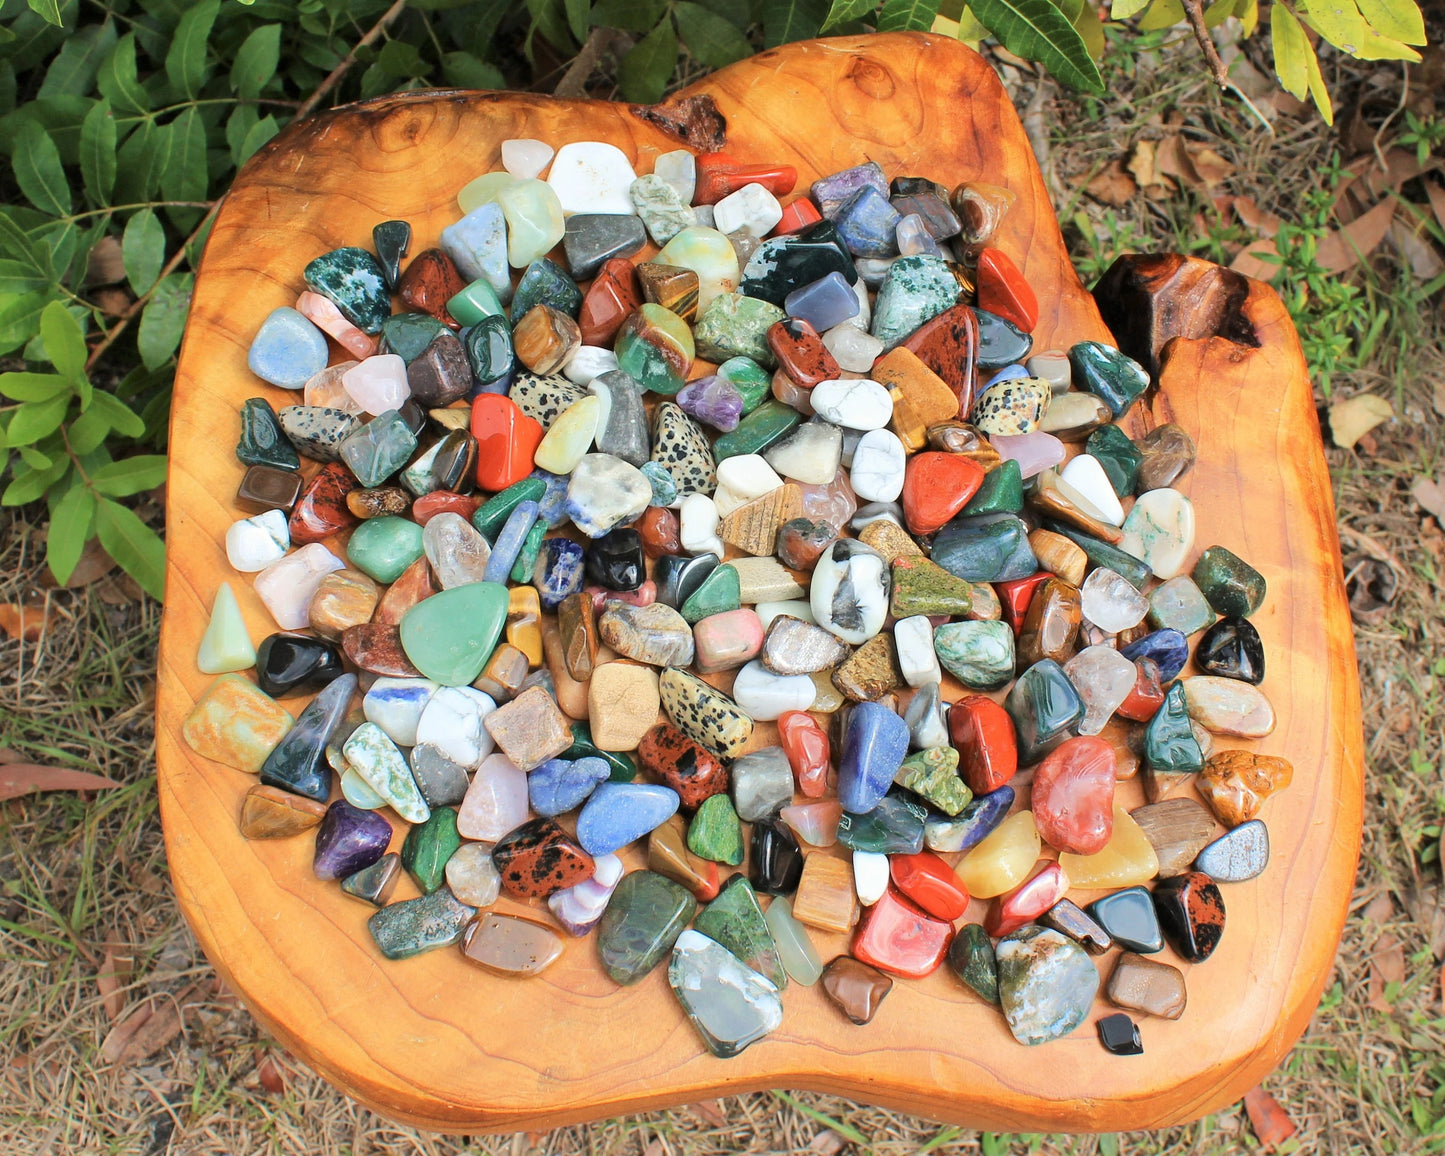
<point x="437" y="1043"/>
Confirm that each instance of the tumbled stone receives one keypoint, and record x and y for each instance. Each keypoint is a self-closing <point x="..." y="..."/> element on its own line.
<point x="349" y="840"/>
<point x="1148" y="986"/>
<point x="235" y="723"/>
<point x="826" y="898"/>
<point x="1235" y="784"/>
<point x="1227" y="706"/>
<point x="1191" y="914"/>
<point x="530" y="729"/>
<point x="1047" y="984"/>
<point x="270" y="813"/>
<point x="979" y="654"/>
<point x="644" y="918"/>
<point x="1238" y="855"/>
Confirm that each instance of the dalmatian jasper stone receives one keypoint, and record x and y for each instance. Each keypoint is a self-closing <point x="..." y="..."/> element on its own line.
<point x="704" y="714"/>
<point x="1012" y="407"/>
<point x="544" y="396"/>
<point x="682" y="449"/>
<point x="317" y="431"/>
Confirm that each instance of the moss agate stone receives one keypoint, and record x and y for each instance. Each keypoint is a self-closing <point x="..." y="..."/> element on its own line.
<point x="413" y="926"/>
<point x="971" y="958"/>
<point x="729" y="1003"/>
<point x="737" y="326"/>
<point x="1046" y="983"/>
<point x="262" y="442"/>
<point x="356" y="282"/>
<point x="917" y="289"/>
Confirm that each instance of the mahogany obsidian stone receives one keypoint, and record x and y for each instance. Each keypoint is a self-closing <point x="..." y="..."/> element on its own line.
<point x="616" y="561"/>
<point x="1232" y="648"/>
<point x="286" y="663"/>
<point x="540" y="858"/>
<point x="776" y="860"/>
<point x="1191" y="913"/>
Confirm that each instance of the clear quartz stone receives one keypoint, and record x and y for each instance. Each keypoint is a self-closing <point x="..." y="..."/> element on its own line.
<point x="1104" y="678"/>
<point x="1111" y="602"/>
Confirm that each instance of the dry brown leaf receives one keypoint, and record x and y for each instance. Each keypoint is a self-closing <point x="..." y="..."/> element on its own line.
<point x="150" y="1027"/>
<point x="1419" y="253"/>
<point x="117" y="1040"/>
<point x="114" y="974"/>
<point x="1436" y="193"/>
<point x="1430" y="496"/>
<point x="1353" y="418"/>
<point x="1342" y="249"/>
<point x="105" y="265"/>
<point x="94" y="563"/>
<point x="1211" y="168"/>
<point x="18" y="779"/>
<point x="1401" y="165"/>
<point x="711" y="1112"/>
<point x="1387" y="965"/>
<point x="1264" y="223"/>
<point x="1379" y="909"/>
<point x="826" y="1143"/>
<point x="1113" y="185"/>
<point x="1251" y="260"/>
<point x="1141" y="163"/>
<point x="27" y="621"/>
<point x="1270" y="1122"/>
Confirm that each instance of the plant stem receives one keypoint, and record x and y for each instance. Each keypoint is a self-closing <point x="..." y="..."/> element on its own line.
<point x="574" y="81"/>
<point x="308" y="106"/>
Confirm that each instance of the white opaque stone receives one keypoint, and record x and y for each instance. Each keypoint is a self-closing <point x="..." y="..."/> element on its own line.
<point x="913" y="638"/>
<point x="1110" y="601"/>
<point x="495" y="803"/>
<point x="1160" y="531"/>
<point x="852" y="347"/>
<point x="678" y="169"/>
<point x="525" y="158"/>
<point x="855" y="403"/>
<point x="742" y="478"/>
<point x="378" y="383"/>
<point x="870" y="876"/>
<point x="287" y="586"/>
<point x="698" y="518"/>
<point x="592" y="177"/>
<point x="796" y="608"/>
<point x="849" y="592"/>
<point x="765" y="695"/>
<point x="1087" y="476"/>
<point x="473" y="876"/>
<point x="252" y="544"/>
<point x="587" y="362"/>
<point x="810" y="454"/>
<point x="452" y="722"/>
<point x="926" y="719"/>
<point x="752" y="210"/>
<point x="1104" y="678"/>
<point x="396" y="706"/>
<point x="570" y="437"/>
<point x="878" y="465"/>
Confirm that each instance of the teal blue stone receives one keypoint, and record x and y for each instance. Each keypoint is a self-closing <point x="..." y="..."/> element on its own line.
<point x="383" y="547"/>
<point x="492" y="515"/>
<point x="1102" y="553"/>
<point x="1105" y="372"/>
<point x="379" y="448"/>
<point x="893" y="827"/>
<point x="990" y="548"/>
<point x="408" y="334"/>
<point x="1045" y="708"/>
<point x="413" y="926"/>
<point x="1046" y="983"/>
<point x="546" y="283"/>
<point x="917" y="289"/>
<point x="262" y="441"/>
<point x="356" y="282"/>
<point x="664" y="489"/>
<point x="1169" y="742"/>
<point x="391" y="240"/>
<point x="1119" y="456"/>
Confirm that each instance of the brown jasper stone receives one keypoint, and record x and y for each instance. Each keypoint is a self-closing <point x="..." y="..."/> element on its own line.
<point x="415" y="583"/>
<point x="544" y="337"/>
<point x="947" y="345"/>
<point x="871" y="671"/>
<point x="825" y="898"/>
<point x="1168" y="455"/>
<point x="1146" y="985"/>
<point x="1051" y="625"/>
<point x="855" y="987"/>
<point x="986" y="604"/>
<point x="677" y="762"/>
<point x="524" y="622"/>
<point x="673" y="288"/>
<point x="510" y="945"/>
<point x="271" y="813"/>
<point x="753" y="528"/>
<point x="1050" y="500"/>
<point x="801" y="352"/>
<point x="622" y="703"/>
<point x="890" y="539"/>
<point x="345" y="598"/>
<point x="428" y="506"/>
<point x="611" y="299"/>
<point x="375" y="647"/>
<point x="321" y="510"/>
<point x="1059" y="555"/>
<point x="442" y="374"/>
<point x="430" y="281"/>
<point x="540" y="858"/>
<point x="268" y="488"/>
<point x="801" y="542"/>
<point x="530" y="729"/>
<point x="660" y="530"/>
<point x="668" y="855"/>
<point x="577" y="622"/>
<point x="381" y="500"/>
<point x="571" y="693"/>
<point x="1235" y="784"/>
<point x="957" y="437"/>
<point x="1119" y="733"/>
<point x="1178" y="829"/>
<point x="921" y="398"/>
<point x="504" y="673"/>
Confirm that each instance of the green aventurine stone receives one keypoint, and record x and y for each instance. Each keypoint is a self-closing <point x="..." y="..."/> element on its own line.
<point x="715" y="832"/>
<point x="623" y="768"/>
<point x="924" y="587"/>
<point x="492" y="515"/>
<point x="428" y="846"/>
<point x="414" y="926"/>
<point x="770" y="422"/>
<point x="736" y="921"/>
<point x="475" y="302"/>
<point x="970" y="955"/>
<point x="262" y="442"/>
<point x="383" y="547"/>
<point x="932" y="774"/>
<point x="736" y="326"/>
<point x="226" y="644"/>
<point x="356" y="282"/>
<point x="1101" y="553"/>
<point x="1046" y="983"/>
<point x="1169" y="742"/>
<point x="1232" y="586"/>
<point x="1179" y="604"/>
<point x="527" y="557"/>
<point x="643" y="919"/>
<point x="893" y="827"/>
<point x="1002" y="492"/>
<point x="979" y="654"/>
<point x="749" y="378"/>
<point x="450" y="636"/>
<point x="408" y="334"/>
<point x="720" y="592"/>
<point x="1118" y="455"/>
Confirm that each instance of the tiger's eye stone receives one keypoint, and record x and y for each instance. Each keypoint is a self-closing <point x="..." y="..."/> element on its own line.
<point x="673" y="288"/>
<point x="269" y="488"/>
<point x="668" y="855"/>
<point x="322" y="509"/>
<point x="540" y="858"/>
<point x="430" y="281"/>
<point x="856" y="988"/>
<point x="271" y="813"/>
<point x="1191" y="914"/>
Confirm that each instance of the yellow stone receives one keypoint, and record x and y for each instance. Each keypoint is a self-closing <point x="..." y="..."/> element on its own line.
<point x="1127" y="860"/>
<point x="622" y="702"/>
<point x="524" y="622"/>
<point x="1003" y="860"/>
<point x="826" y="897"/>
<point x="829" y="698"/>
<point x="236" y="723"/>
<point x="570" y="436"/>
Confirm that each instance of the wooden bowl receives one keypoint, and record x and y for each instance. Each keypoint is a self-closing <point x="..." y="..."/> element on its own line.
<point x="437" y="1043"/>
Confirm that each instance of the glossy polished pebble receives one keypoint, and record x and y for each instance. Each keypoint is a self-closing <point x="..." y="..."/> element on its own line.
<point x="271" y="813"/>
<point x="826" y="898"/>
<point x="729" y="1003"/>
<point x="1003" y="858"/>
<point x="1191" y="914"/>
<point x="1127" y="859"/>
<point x="1047" y="984"/>
<point x="1226" y="706"/>
<point x="1148" y="986"/>
<point x="1130" y="919"/>
<point x="1178" y="829"/>
<point x="413" y="926"/>
<point x="1238" y="855"/>
<point x="1235" y="784"/>
<point x="1232" y="648"/>
<point x="856" y="988"/>
<point x="374" y="884"/>
<point x="510" y="945"/>
<point x="348" y="840"/>
<point x="644" y="918"/>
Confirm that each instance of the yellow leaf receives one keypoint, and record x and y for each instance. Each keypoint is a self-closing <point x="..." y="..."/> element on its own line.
<point x="1218" y="12"/>
<point x="1338" y="21"/>
<point x="1123" y="9"/>
<point x="1353" y="418"/>
<point x="1397" y="19"/>
<point x="1162" y="14"/>
<point x="1317" y="89"/>
<point x="1379" y="47"/>
<point x="1291" y="47"/>
<point x="1248" y="13"/>
<point x="1090" y="30"/>
<point x="970" y="28"/>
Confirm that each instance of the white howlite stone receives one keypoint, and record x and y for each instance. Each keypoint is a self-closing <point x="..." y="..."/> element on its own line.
<point x="853" y="348"/>
<point x="287" y="586"/>
<point x="849" y="593"/>
<point x="878" y="465"/>
<point x="698" y="518"/>
<point x="810" y="454"/>
<point x="752" y="210"/>
<point x="854" y="403"/>
<point x="525" y="159"/>
<point x="796" y="608"/>
<point x="1160" y="531"/>
<point x="913" y="638"/>
<point x="396" y="706"/>
<point x="252" y="544"/>
<point x="587" y="362"/>
<point x="451" y="721"/>
<point x="592" y="177"/>
<point x="1087" y="476"/>
<point x="765" y="695"/>
<point x="870" y="876"/>
<point x="748" y="476"/>
<point x="678" y="169"/>
<point x="378" y="384"/>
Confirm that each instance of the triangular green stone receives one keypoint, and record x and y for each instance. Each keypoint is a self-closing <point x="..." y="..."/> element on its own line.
<point x="226" y="645"/>
<point x="450" y="636"/>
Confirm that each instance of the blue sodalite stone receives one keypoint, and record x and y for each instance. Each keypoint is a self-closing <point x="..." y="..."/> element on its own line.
<point x="559" y="571"/>
<point x="969" y="827"/>
<point x="287" y="350"/>
<point x="552" y="505"/>
<point x="664" y="489"/>
<point x="617" y="813"/>
<point x="824" y="303"/>
<point x="874" y="747"/>
<point x="559" y="785"/>
<point x="868" y="224"/>
<point x="356" y="282"/>
<point x="1167" y="647"/>
<point x="509" y="542"/>
<point x="546" y="283"/>
<point x="477" y="245"/>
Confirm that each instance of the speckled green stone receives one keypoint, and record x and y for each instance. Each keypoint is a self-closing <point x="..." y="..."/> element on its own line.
<point x="720" y="592"/>
<point x="970" y="955"/>
<point x="979" y="654"/>
<point x="749" y="378"/>
<point x="770" y="422"/>
<point x="736" y="921"/>
<point x="1169" y="742"/>
<point x="382" y="548"/>
<point x="736" y="326"/>
<point x="715" y="832"/>
<point x="1232" y="586"/>
<point x="356" y="282"/>
<point x="932" y="774"/>
<point x="1118" y="455"/>
<point x="1046" y="983"/>
<point x="643" y="919"/>
<point x="917" y="289"/>
<point x="1179" y="604"/>
<point x="262" y="442"/>
<point x="1002" y="492"/>
<point x="414" y="926"/>
<point x="428" y="846"/>
<point x="622" y="766"/>
<point x="492" y="515"/>
<point x="923" y="587"/>
<point x="545" y="283"/>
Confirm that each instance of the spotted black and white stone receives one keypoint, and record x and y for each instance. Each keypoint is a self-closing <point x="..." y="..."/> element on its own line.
<point x="544" y="396"/>
<point x="849" y="594"/>
<point x="1012" y="407"/>
<point x="704" y="714"/>
<point x="317" y="431"/>
<point x="682" y="449"/>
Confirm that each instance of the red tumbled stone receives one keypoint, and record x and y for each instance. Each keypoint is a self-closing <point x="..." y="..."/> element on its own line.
<point x="660" y="531"/>
<point x="416" y="582"/>
<point x="1148" y="693"/>
<point x="947" y="345"/>
<point x="988" y="750"/>
<point x="801" y="352"/>
<point x="506" y="440"/>
<point x="322" y="510"/>
<point x="1073" y="795"/>
<point x="540" y="858"/>
<point x="935" y="487"/>
<point x="430" y="281"/>
<point x="428" y="506"/>
<point x="929" y="882"/>
<point x="611" y="299"/>
<point x="798" y="216"/>
<point x="1016" y="595"/>
<point x="897" y="937"/>
<point x="808" y="750"/>
<point x="1027" y="901"/>
<point x="719" y="174"/>
<point x="677" y="762"/>
<point x="375" y="647"/>
<point x="1003" y="291"/>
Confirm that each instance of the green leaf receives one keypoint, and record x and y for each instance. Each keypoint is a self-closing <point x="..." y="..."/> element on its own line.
<point x="1291" y="50"/>
<point x="736" y="12"/>
<point x="20" y="276"/>
<point x="712" y="41"/>
<point x="644" y="72"/>
<point x="907" y="15"/>
<point x="34" y="458"/>
<point x="49" y="9"/>
<point x="186" y="58"/>
<point x="257" y="135"/>
<point x="97" y="153"/>
<point x="31" y="486"/>
<point x="579" y="14"/>
<point x="844" y="11"/>
<point x="130" y="475"/>
<point x="133" y="544"/>
<point x="64" y="341"/>
<point x="70" y="523"/>
<point x="628" y="15"/>
<point x="1123" y="9"/>
<point x="1036" y="30"/>
<point x="256" y="61"/>
<point x="401" y="60"/>
<point x="143" y="250"/>
<point x="185" y="177"/>
<point x="787" y="20"/>
<point x="34" y="419"/>
<point x="970" y="29"/>
<point x="33" y="386"/>
<point x="1397" y="19"/>
<point x="87" y="431"/>
<point x="121" y="417"/>
<point x="465" y="70"/>
<point x="118" y="81"/>
<point x="37" y="170"/>
<point x="20" y="319"/>
<point x="73" y="70"/>
<point x="1377" y="47"/>
<point x="1338" y="21"/>
<point x="164" y="319"/>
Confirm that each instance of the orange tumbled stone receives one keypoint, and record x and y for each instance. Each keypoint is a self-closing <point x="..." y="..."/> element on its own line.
<point x="611" y="299"/>
<point x="322" y="510"/>
<point x="1003" y="291"/>
<point x="935" y="487"/>
<point x="808" y="750"/>
<point x="428" y="506"/>
<point x="660" y="531"/>
<point x="719" y="174"/>
<point x="506" y="441"/>
<point x="1073" y="795"/>
<point x="929" y="882"/>
<point x="948" y="345"/>
<point x="1015" y="597"/>
<point x="988" y="753"/>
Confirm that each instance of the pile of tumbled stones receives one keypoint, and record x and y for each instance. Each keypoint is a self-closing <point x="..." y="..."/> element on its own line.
<point x="513" y="543"/>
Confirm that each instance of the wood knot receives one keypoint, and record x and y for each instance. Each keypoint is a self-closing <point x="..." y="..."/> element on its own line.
<point x="872" y="78"/>
<point x="694" y="120"/>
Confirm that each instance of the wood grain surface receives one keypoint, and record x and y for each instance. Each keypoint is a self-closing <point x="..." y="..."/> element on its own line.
<point x="435" y="1042"/>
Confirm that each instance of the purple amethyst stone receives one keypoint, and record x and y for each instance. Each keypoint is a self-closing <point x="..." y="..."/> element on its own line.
<point x="713" y="400"/>
<point x="349" y="839"/>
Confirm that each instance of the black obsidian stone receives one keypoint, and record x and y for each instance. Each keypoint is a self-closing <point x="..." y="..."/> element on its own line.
<point x="776" y="865"/>
<point x="1130" y="919"/>
<point x="1120" y="1035"/>
<point x="455" y="466"/>
<point x="678" y="576"/>
<point x="1191" y="912"/>
<point x="391" y="240"/>
<point x="262" y="441"/>
<point x="781" y="264"/>
<point x="286" y="663"/>
<point x="616" y="561"/>
<point x="1000" y="342"/>
<point x="1232" y="648"/>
